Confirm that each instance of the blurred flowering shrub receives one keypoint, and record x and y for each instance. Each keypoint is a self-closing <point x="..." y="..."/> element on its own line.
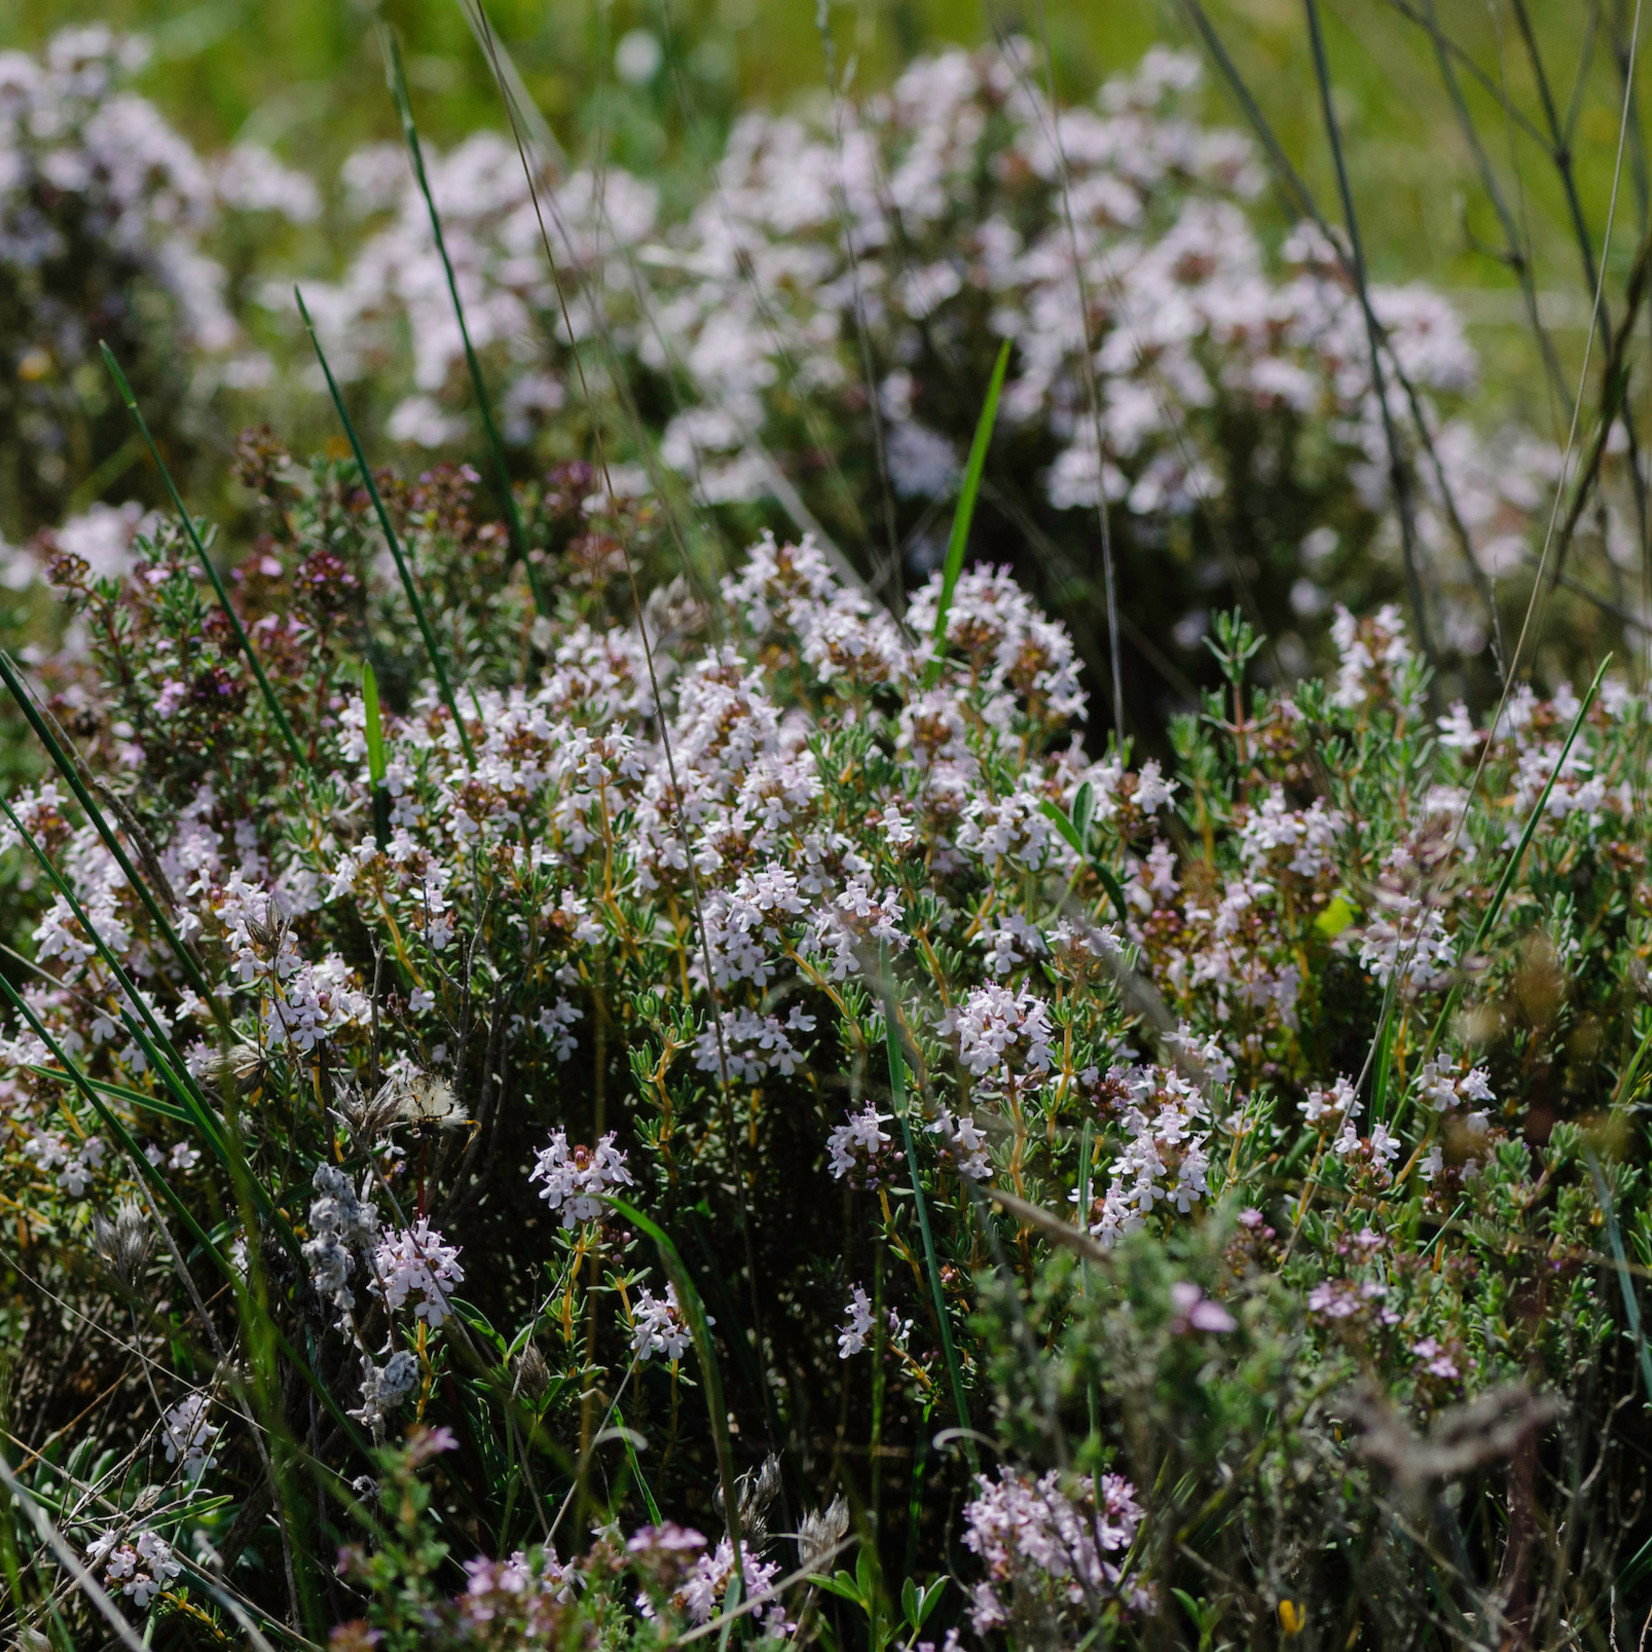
<point x="735" y="1106"/>
<point x="819" y="326"/>
<point x="111" y="227"/>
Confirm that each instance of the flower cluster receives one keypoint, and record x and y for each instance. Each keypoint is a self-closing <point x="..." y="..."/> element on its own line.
<point x="1003" y="1034"/>
<point x="138" y="1565"/>
<point x="574" y="1180"/>
<point x="1038" y="1538"/>
<point x="414" y="1262"/>
<point x="661" y="1327"/>
<point x="188" y="1435"/>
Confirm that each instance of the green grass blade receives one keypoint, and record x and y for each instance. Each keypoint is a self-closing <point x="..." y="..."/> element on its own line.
<point x="1507" y="879"/>
<point x="1504" y="883"/>
<point x="115" y="1126"/>
<point x="120" y="1092"/>
<point x="1631" y="1304"/>
<point x="1626" y="1084"/>
<point x="1384" y="1065"/>
<point x="731" y="1603"/>
<point x="159" y="1051"/>
<point x="636" y="1470"/>
<point x="507" y="494"/>
<point x="234" y="618"/>
<point x="187" y="1096"/>
<point x="962" y="517"/>
<point x="67" y="767"/>
<point x="897" y="1090"/>
<point x="375" y="724"/>
<point x="33" y="1507"/>
<point x="688" y="1299"/>
<point x="1059" y="817"/>
<point x="389" y="532"/>
<point x="376" y="768"/>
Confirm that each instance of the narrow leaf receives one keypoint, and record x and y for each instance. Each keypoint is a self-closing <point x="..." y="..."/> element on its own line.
<point x="1385" y="1062"/>
<point x="731" y="1601"/>
<point x="1084" y="803"/>
<point x="843" y="1586"/>
<point x="119" y="1092"/>
<point x="1115" y="891"/>
<point x="1626" y="1284"/>
<point x="1538" y="809"/>
<point x="1063" y="824"/>
<point x="637" y="1474"/>
<point x="1086" y="1194"/>
<point x="389" y="532"/>
<point x="928" y="1600"/>
<point x="376" y="768"/>
<point x="1104" y="874"/>
<point x="127" y="988"/>
<point x="961" y="519"/>
<point x="169" y="1196"/>
<point x="1626" y="1085"/>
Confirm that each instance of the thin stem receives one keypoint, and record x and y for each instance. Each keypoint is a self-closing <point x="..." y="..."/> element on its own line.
<point x="501" y="468"/>
<point x="1399" y="475"/>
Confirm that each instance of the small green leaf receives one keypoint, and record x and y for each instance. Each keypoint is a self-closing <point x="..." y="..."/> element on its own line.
<point x="1084" y="802"/>
<point x="1072" y="833"/>
<point x="1062" y="824"/>
<point x="843" y="1586"/>
<point x="928" y="1599"/>
<point x="1115" y="892"/>
<point x="1335" y="918"/>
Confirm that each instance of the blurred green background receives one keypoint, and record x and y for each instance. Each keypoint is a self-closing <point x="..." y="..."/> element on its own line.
<point x="305" y="77"/>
